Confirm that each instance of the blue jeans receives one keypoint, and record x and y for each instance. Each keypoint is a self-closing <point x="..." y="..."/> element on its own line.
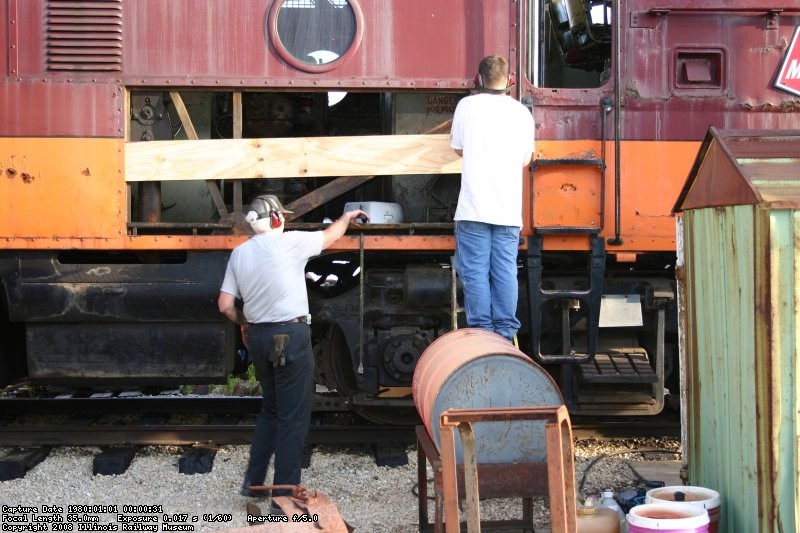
<point x="486" y="261"/>
<point x="283" y="423"/>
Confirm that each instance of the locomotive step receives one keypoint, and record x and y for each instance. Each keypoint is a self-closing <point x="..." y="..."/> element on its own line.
<point x="618" y="367"/>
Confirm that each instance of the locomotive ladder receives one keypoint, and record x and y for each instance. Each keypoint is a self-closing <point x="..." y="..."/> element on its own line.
<point x="591" y="297"/>
<point x="613" y="365"/>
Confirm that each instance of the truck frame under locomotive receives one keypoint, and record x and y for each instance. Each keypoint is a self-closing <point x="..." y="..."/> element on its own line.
<point x="133" y="132"/>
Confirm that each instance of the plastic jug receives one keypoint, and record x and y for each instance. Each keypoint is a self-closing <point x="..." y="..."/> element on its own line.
<point x="608" y="501"/>
<point x="592" y="519"/>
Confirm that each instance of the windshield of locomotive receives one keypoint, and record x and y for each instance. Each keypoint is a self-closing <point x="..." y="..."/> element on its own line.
<point x="574" y="45"/>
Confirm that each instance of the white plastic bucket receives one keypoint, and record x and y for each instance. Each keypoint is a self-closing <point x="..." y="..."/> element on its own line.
<point x="700" y="496"/>
<point x="667" y="518"/>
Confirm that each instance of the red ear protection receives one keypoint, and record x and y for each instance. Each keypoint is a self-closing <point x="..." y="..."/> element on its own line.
<point x="274" y="220"/>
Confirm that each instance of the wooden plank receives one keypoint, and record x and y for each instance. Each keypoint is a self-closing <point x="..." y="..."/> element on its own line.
<point x="113" y="461"/>
<point x="191" y="134"/>
<point x="444" y="127"/>
<point x="237" y="196"/>
<point x="323" y="194"/>
<point x="18" y="462"/>
<point x="290" y="157"/>
<point x="331" y="190"/>
<point x="216" y="196"/>
<point x="667" y="471"/>
<point x="237" y="115"/>
<point x="183" y="114"/>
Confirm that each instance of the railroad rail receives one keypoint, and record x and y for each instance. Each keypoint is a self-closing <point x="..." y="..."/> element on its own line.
<point x="189" y="435"/>
<point x="192" y="434"/>
<point x="229" y="420"/>
<point x="167" y="420"/>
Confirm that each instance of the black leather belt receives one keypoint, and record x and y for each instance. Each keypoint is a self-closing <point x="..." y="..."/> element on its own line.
<point x="300" y="319"/>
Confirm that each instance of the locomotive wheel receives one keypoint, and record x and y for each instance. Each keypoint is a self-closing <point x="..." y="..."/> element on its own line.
<point x="335" y="371"/>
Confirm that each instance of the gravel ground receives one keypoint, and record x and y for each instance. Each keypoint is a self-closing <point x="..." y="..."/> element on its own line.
<point x="369" y="497"/>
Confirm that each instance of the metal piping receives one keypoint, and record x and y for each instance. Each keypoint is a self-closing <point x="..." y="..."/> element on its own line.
<point x="453" y="295"/>
<point x="605" y="109"/>
<point x="616" y="240"/>
<point x="361" y="303"/>
<point x="520" y="38"/>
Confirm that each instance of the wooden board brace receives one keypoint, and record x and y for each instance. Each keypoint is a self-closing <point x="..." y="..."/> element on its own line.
<point x="429" y="153"/>
<point x="301" y="157"/>
<point x="339" y="186"/>
<point x="191" y="134"/>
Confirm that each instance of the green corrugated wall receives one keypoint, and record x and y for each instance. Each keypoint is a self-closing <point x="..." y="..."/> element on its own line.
<point x="743" y="308"/>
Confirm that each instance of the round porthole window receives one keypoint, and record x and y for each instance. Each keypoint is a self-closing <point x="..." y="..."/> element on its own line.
<point x="315" y="35"/>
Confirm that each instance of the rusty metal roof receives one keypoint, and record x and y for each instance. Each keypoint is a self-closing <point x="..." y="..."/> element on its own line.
<point x="736" y="167"/>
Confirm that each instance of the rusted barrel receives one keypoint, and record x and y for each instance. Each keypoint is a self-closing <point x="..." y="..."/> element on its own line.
<point x="475" y="368"/>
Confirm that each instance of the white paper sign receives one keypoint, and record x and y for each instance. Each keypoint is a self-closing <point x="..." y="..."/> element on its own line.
<point x="620" y="310"/>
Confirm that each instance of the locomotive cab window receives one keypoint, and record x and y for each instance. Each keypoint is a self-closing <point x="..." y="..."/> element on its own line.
<point x="573" y="49"/>
<point x="315" y="35"/>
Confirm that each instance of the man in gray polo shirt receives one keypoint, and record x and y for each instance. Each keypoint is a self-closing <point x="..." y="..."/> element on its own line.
<point x="267" y="273"/>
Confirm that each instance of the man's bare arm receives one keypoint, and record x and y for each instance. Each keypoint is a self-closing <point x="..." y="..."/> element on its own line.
<point x="336" y="230"/>
<point x="227" y="306"/>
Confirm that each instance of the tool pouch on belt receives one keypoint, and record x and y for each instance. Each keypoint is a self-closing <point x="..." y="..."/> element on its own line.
<point x="280" y="343"/>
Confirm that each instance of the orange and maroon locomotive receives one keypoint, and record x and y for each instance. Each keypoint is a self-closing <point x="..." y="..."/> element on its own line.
<point x="132" y="132"/>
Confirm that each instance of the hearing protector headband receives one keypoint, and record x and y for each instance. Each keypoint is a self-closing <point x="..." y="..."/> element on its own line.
<point x="479" y="85"/>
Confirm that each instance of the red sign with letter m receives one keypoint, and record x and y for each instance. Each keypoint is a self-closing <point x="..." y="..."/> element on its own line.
<point x="789" y="76"/>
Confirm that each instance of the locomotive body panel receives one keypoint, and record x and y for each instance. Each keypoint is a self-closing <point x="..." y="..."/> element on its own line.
<point x="240" y="46"/>
<point x="135" y="131"/>
<point x="76" y="191"/>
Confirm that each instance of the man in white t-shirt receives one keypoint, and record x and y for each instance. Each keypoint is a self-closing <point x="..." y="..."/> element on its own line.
<point x="494" y="134"/>
<point x="267" y="273"/>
